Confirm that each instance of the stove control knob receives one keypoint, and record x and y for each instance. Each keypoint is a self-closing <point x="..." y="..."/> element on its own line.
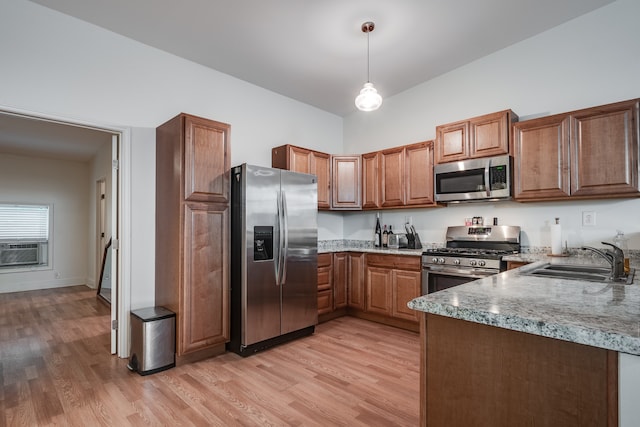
<point x="434" y="260"/>
<point x="472" y="262"/>
<point x="481" y="263"/>
<point x="456" y="262"/>
<point x="441" y="260"/>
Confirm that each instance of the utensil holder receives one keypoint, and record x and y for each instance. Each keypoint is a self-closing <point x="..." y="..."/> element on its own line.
<point x="413" y="241"/>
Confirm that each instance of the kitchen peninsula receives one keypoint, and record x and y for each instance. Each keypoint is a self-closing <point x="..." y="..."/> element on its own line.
<point x="513" y="349"/>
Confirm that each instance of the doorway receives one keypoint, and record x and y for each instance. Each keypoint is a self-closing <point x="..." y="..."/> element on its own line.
<point x="30" y="135"/>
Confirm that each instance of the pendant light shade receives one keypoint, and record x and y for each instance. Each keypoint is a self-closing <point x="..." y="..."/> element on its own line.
<point x="369" y="99"/>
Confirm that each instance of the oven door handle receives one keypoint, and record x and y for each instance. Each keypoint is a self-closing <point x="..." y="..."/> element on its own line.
<point x="472" y="274"/>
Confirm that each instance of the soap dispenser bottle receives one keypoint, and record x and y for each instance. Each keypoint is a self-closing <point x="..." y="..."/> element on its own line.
<point x="621" y="242"/>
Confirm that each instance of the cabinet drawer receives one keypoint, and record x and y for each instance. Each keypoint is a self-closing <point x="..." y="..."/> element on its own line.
<point x="324" y="278"/>
<point x="325" y="301"/>
<point x="400" y="262"/>
<point x="324" y="260"/>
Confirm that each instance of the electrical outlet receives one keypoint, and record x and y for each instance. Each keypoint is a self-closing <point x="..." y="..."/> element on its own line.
<point x="588" y="218"/>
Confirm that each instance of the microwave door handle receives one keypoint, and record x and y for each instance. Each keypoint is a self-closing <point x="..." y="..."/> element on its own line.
<point x="487" y="186"/>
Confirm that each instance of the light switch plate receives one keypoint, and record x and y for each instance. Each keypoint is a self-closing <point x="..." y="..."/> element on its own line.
<point x="588" y="218"/>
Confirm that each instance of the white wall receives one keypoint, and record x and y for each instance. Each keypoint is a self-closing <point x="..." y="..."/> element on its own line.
<point x="63" y="184"/>
<point x="589" y="61"/>
<point x="57" y="65"/>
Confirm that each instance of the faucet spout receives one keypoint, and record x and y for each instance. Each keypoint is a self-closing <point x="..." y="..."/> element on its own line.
<point x="614" y="257"/>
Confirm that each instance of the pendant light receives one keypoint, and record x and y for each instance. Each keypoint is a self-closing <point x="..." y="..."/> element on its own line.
<point x="369" y="98"/>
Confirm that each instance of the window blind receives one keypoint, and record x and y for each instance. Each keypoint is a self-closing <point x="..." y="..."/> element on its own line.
<point x="24" y="222"/>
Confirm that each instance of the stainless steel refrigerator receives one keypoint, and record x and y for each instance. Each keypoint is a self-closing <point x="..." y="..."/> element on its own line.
<point x="274" y="254"/>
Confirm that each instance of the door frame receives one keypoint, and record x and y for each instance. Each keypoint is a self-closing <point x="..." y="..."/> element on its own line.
<point x="122" y="220"/>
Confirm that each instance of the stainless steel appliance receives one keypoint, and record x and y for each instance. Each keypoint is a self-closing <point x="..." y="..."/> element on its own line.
<point x="471" y="180"/>
<point x="273" y="257"/>
<point x="471" y="252"/>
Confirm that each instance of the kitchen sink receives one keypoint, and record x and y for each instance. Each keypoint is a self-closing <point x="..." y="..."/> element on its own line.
<point x="579" y="272"/>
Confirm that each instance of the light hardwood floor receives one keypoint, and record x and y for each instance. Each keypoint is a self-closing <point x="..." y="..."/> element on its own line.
<point x="55" y="369"/>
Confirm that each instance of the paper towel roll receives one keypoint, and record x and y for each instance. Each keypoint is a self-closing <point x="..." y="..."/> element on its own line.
<point x="556" y="239"/>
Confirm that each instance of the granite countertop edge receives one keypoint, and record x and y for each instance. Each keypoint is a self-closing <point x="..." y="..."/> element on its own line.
<point x="572" y="333"/>
<point x="568" y="310"/>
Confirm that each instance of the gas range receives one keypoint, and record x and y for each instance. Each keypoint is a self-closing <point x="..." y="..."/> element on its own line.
<point x="475" y="247"/>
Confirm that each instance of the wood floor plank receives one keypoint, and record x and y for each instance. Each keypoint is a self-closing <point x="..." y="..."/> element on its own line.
<point x="56" y="370"/>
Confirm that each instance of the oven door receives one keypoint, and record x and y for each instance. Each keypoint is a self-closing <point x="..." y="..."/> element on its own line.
<point x="436" y="278"/>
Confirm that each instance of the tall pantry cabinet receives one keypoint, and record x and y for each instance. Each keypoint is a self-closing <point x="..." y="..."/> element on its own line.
<point x="192" y="232"/>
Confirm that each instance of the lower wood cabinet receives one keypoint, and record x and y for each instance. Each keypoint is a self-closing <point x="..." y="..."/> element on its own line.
<point x="391" y="282"/>
<point x="325" y="283"/>
<point x="355" y="280"/>
<point x="340" y="279"/>
<point x="368" y="285"/>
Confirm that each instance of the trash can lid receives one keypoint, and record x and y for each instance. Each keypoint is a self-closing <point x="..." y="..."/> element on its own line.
<point x="152" y="313"/>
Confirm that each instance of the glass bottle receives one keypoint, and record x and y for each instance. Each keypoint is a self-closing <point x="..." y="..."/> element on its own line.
<point x="621" y="242"/>
<point x="377" y="236"/>
<point x="385" y="237"/>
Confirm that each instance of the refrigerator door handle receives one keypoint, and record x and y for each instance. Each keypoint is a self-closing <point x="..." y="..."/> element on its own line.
<point x="285" y="245"/>
<point x="278" y="263"/>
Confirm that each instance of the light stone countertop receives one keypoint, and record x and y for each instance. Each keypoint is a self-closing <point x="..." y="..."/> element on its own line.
<point x="595" y="314"/>
<point x="327" y="246"/>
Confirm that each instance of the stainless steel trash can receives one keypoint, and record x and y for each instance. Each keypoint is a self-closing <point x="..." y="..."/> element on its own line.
<point x="153" y="340"/>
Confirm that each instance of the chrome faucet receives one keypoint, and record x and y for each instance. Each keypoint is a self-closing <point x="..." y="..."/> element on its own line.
<point x="614" y="257"/>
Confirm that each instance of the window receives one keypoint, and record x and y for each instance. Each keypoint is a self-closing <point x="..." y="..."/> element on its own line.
<point x="24" y="235"/>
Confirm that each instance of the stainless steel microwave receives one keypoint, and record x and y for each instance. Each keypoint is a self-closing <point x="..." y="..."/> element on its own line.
<point x="472" y="180"/>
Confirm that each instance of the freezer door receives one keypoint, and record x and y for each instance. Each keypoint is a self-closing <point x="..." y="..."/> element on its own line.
<point x="299" y="275"/>
<point x="260" y="290"/>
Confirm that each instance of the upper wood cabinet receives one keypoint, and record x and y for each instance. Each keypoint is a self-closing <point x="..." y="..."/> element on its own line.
<point x="303" y="160"/>
<point x="392" y="177"/>
<point x="346" y="178"/>
<point x="482" y="136"/>
<point x="419" y="174"/>
<point x="541" y="158"/>
<point x="371" y="180"/>
<point x="590" y="153"/>
<point x="604" y="150"/>
<point x="398" y="177"/>
<point x="192" y="232"/>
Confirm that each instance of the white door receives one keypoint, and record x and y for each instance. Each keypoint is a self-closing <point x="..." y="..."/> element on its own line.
<point x="115" y="232"/>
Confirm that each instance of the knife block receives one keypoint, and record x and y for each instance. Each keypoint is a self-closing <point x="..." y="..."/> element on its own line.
<point x="413" y="241"/>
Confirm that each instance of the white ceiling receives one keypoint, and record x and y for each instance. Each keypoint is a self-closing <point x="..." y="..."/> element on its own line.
<point x="33" y="137"/>
<point x="310" y="50"/>
<point x="314" y="50"/>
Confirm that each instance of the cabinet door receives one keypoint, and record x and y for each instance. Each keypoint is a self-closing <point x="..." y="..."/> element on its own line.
<point x="321" y="167"/>
<point x="604" y="150"/>
<point x="489" y="135"/>
<point x="406" y="286"/>
<point x="205" y="303"/>
<point x="371" y="180"/>
<point x="419" y="173"/>
<point x="206" y="157"/>
<point x="299" y="159"/>
<point x="379" y="290"/>
<point x="392" y="182"/>
<point x="355" y="283"/>
<point x="541" y="158"/>
<point x="452" y="142"/>
<point x="340" y="271"/>
<point x="346" y="177"/>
